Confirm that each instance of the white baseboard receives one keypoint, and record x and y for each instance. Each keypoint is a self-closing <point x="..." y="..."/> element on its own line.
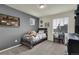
<point x="9" y="48"/>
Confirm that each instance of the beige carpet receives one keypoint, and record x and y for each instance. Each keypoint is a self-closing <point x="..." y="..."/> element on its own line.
<point x="44" y="48"/>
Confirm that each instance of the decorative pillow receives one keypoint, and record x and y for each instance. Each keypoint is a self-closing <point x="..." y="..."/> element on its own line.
<point x="33" y="33"/>
<point x="41" y="31"/>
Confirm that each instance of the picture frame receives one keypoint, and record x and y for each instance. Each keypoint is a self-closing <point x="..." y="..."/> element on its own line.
<point x="47" y="24"/>
<point x="32" y="21"/>
<point x="41" y="21"/>
<point x="10" y="21"/>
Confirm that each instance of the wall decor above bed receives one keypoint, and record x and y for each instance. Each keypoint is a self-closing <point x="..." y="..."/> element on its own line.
<point x="6" y="20"/>
<point x="46" y="24"/>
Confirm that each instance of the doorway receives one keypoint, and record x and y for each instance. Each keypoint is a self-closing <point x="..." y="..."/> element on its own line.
<point x="59" y="28"/>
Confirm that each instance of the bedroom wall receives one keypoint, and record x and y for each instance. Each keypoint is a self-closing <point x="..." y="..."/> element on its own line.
<point x="71" y="24"/>
<point x="8" y="35"/>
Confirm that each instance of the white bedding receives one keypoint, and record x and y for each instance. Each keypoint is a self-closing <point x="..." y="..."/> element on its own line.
<point x="39" y="36"/>
<point x="36" y="38"/>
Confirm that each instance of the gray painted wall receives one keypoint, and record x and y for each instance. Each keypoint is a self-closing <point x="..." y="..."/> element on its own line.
<point x="9" y="34"/>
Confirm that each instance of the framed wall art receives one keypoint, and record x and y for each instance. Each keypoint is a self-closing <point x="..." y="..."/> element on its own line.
<point x="6" y="20"/>
<point x="47" y="24"/>
<point x="32" y="21"/>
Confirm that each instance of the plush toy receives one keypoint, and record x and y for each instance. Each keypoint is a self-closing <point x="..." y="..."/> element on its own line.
<point x="31" y="33"/>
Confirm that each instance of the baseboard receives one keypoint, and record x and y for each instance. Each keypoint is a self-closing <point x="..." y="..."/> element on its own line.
<point x="9" y="48"/>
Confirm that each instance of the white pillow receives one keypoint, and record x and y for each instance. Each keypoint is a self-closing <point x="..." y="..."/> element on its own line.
<point x="41" y="31"/>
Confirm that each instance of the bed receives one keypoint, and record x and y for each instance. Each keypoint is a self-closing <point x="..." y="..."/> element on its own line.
<point x="33" y="38"/>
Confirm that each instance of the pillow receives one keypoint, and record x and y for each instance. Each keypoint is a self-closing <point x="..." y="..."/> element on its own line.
<point x="33" y="33"/>
<point x="28" y="32"/>
<point x="41" y="31"/>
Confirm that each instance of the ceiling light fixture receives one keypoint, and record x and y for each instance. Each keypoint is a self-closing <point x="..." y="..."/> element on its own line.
<point x="41" y="6"/>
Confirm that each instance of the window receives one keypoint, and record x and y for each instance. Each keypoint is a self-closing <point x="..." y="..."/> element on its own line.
<point x="60" y="23"/>
<point x="54" y="24"/>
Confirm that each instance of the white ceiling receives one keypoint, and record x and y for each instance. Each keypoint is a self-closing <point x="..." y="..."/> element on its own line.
<point x="50" y="9"/>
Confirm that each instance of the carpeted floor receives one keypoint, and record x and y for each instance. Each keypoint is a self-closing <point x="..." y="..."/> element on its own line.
<point x="44" y="48"/>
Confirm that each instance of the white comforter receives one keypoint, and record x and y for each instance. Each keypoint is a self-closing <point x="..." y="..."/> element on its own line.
<point x="39" y="36"/>
<point x="36" y="38"/>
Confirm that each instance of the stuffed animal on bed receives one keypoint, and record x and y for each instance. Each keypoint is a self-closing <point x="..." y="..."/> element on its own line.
<point x="31" y="33"/>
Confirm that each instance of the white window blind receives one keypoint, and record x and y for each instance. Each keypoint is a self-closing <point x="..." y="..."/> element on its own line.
<point x="60" y="22"/>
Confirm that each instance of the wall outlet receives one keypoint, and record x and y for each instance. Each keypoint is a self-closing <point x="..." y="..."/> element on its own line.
<point x="16" y="41"/>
